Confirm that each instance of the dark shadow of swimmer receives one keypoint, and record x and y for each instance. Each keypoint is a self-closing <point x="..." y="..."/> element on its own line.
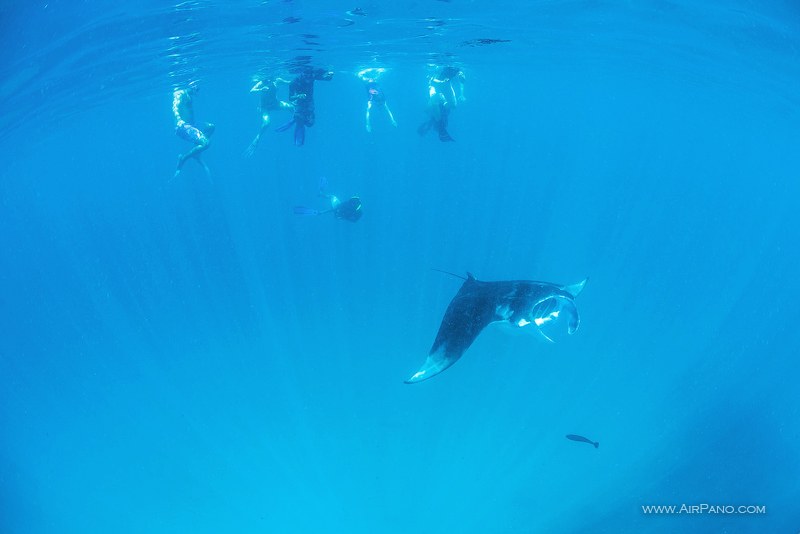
<point x="439" y="115"/>
<point x="301" y="96"/>
<point x="349" y="210"/>
<point x="445" y="91"/>
<point x="575" y="437"/>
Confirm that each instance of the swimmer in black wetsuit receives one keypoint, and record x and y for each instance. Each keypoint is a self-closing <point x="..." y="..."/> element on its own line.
<point x="447" y="80"/>
<point x="187" y="129"/>
<point x="375" y="95"/>
<point x="442" y="98"/>
<point x="268" y="91"/>
<point x="349" y="210"/>
<point x="301" y="96"/>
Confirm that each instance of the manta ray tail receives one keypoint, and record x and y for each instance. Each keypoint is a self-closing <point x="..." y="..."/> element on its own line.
<point x="448" y="272"/>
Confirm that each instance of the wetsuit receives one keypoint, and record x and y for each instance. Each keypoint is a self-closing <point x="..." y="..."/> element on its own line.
<point x="349" y="210"/>
<point x="301" y="94"/>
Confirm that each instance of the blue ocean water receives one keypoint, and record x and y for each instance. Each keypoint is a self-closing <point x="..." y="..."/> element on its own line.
<point x="186" y="355"/>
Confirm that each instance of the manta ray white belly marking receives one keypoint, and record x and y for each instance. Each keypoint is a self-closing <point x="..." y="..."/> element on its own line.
<point x="549" y="307"/>
<point x="503" y="311"/>
<point x="549" y="317"/>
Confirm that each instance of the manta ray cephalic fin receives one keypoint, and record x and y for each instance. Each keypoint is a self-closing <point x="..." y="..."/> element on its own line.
<point x="575" y="289"/>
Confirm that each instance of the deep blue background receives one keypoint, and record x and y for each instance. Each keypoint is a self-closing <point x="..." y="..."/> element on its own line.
<point x="188" y="356"/>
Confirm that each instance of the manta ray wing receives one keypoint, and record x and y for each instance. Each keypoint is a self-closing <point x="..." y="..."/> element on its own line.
<point x="549" y="309"/>
<point x="473" y="307"/>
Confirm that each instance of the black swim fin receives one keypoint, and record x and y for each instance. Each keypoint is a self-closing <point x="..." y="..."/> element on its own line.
<point x="285" y="126"/>
<point x="323" y="186"/>
<point x="425" y="127"/>
<point x="444" y="136"/>
<point x="299" y="134"/>
<point x="302" y="210"/>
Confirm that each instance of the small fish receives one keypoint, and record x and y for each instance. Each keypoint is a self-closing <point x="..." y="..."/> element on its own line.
<point x="482" y="42"/>
<point x="575" y="437"/>
<point x="432" y="23"/>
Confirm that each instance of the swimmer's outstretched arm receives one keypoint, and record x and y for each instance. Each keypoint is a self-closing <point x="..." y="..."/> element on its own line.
<point x="257" y="87"/>
<point x="370" y="74"/>
<point x="453" y="92"/>
<point x="461" y="79"/>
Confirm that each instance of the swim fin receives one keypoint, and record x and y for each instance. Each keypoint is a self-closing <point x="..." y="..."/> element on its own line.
<point x="444" y="136"/>
<point x="425" y="127"/>
<point x="441" y="126"/>
<point x="285" y="126"/>
<point x="299" y="133"/>
<point x="302" y="210"/>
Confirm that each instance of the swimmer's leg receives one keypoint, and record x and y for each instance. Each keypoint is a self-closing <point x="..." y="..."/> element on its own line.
<point x="202" y="143"/>
<point x="369" y="108"/>
<point x="265" y="120"/>
<point x="391" y="117"/>
<point x="205" y="167"/>
<point x="441" y="128"/>
<point x="305" y="120"/>
<point x="193" y="153"/>
<point x="436" y="106"/>
<point x="208" y="129"/>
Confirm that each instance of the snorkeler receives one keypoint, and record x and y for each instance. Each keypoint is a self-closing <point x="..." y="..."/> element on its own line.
<point x="268" y="91"/>
<point x="301" y="96"/>
<point x="349" y="210"/>
<point x="375" y="95"/>
<point x="446" y="80"/>
<point x="185" y="128"/>
<point x="442" y="98"/>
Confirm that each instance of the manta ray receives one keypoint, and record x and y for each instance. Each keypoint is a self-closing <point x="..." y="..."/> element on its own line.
<point x="542" y="307"/>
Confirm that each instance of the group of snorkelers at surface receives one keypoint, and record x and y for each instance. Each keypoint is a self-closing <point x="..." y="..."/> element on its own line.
<point x="445" y="91"/>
